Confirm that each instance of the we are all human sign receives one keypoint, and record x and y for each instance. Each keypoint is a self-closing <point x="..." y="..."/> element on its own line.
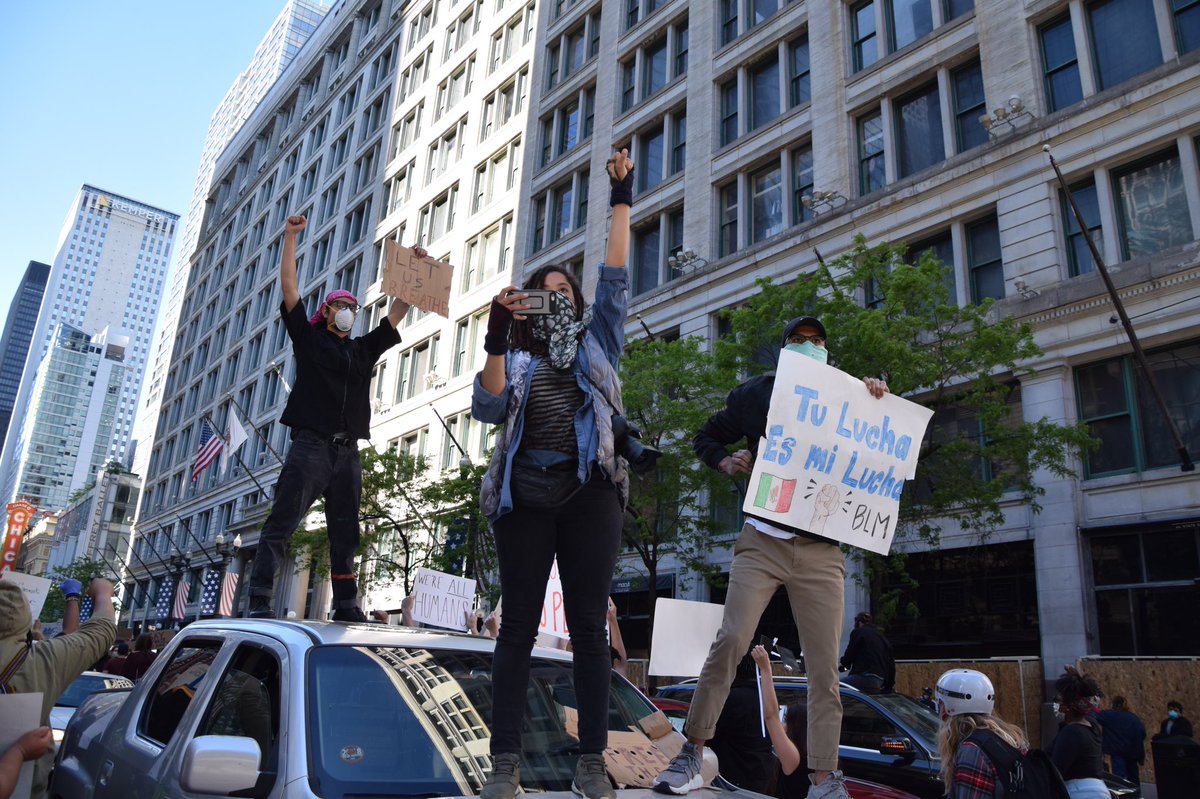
<point x="835" y="459"/>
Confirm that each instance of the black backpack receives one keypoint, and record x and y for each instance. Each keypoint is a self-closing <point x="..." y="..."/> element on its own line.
<point x="1031" y="775"/>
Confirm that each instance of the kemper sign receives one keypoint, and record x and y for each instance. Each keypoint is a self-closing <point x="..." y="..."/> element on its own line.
<point x="19" y="514"/>
<point x="120" y="205"/>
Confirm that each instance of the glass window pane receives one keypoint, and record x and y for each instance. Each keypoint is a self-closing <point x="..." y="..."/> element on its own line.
<point x="729" y="220"/>
<point x="956" y="8"/>
<point x="909" y="20"/>
<point x="866" y="51"/>
<point x="1116" y="560"/>
<point x="646" y="248"/>
<point x="1115" y="622"/>
<point x="1166" y="620"/>
<point x="919" y="122"/>
<point x="764" y="93"/>
<point x="802" y="183"/>
<point x="870" y="142"/>
<point x="1171" y="555"/>
<point x="969" y="105"/>
<point x="767" y="210"/>
<point x="650" y="162"/>
<point x="1187" y="24"/>
<point x="729" y="112"/>
<point x="656" y="68"/>
<point x="1177" y="372"/>
<point x="762" y="10"/>
<point x="1153" y="207"/>
<point x="1102" y="389"/>
<point x="1063" y="86"/>
<point x="1124" y="39"/>
<point x="1079" y="256"/>
<point x="800" y="90"/>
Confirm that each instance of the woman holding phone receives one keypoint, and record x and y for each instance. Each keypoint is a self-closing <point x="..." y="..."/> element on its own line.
<point x="556" y="486"/>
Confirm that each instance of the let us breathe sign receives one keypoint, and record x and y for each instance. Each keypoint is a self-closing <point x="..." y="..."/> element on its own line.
<point x="834" y="459"/>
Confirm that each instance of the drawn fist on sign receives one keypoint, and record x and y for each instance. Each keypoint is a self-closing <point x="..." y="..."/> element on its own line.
<point x="825" y="504"/>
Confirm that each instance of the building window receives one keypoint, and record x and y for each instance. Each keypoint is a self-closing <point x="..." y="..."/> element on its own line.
<point x="1061" y="66"/>
<point x="984" y="260"/>
<point x="1120" y="410"/>
<point x="1152" y="205"/>
<point x="941" y="247"/>
<point x="569" y="125"/>
<point x="496" y="175"/>
<point x="653" y="243"/>
<point x="1124" y="39"/>
<point x="437" y="218"/>
<point x="1146" y="593"/>
<point x="907" y="21"/>
<point x="503" y="104"/>
<point x="799" y="83"/>
<point x="454" y="88"/>
<point x="560" y="210"/>
<point x="865" y="43"/>
<point x="766" y="94"/>
<point x="729" y="111"/>
<point x="871" y="163"/>
<point x="919" y="131"/>
<point x="1079" y="256"/>
<point x="416" y="365"/>
<point x="568" y="53"/>
<point x="763" y="103"/>
<point x="766" y="203"/>
<point x="489" y="253"/>
<point x="969" y="105"/>
<point x="446" y="150"/>
<point x="953" y="9"/>
<point x="1186" y="16"/>
<point x="649" y="69"/>
<point x="400" y="187"/>
<point x="661" y="150"/>
<point x="802" y="183"/>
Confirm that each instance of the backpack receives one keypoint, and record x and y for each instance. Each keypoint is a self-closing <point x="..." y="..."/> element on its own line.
<point x="1031" y="775"/>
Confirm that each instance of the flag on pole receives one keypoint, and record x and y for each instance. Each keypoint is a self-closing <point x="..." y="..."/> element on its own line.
<point x="163" y="609"/>
<point x="181" y="599"/>
<point x="211" y="445"/>
<point x="228" y="592"/>
<point x="237" y="436"/>
<point x="209" y="592"/>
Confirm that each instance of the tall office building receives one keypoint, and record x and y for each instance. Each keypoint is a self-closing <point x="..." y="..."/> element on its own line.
<point x="397" y="120"/>
<point x="764" y="129"/>
<point x="283" y="41"/>
<point x="107" y="276"/>
<point x="18" y="332"/>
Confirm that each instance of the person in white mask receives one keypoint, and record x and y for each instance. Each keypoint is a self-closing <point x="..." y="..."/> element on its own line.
<point x="328" y="411"/>
<point x="767" y="556"/>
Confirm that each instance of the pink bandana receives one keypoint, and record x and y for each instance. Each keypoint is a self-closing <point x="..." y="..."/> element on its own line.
<point x="318" y="318"/>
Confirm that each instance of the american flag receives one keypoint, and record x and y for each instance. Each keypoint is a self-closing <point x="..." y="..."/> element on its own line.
<point x="181" y="599"/>
<point x="163" y="609"/>
<point x="228" y="592"/>
<point x="209" y="592"/>
<point x="211" y="445"/>
<point x="86" y="605"/>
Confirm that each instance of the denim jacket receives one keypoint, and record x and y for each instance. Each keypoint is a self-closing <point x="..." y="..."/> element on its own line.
<point x="596" y="374"/>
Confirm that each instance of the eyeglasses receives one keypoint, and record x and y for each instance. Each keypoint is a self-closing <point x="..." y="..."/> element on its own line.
<point x="341" y="305"/>
<point x="800" y="338"/>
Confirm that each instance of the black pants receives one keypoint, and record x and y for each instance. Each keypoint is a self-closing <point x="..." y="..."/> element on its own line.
<point x="585" y="535"/>
<point x="867" y="683"/>
<point x="314" y="467"/>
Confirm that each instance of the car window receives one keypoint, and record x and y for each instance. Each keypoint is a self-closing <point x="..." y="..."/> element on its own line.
<point x="391" y="720"/>
<point x="245" y="702"/>
<point x="863" y="726"/>
<point x="914" y="715"/>
<point x="172" y="692"/>
<point x="86" y="685"/>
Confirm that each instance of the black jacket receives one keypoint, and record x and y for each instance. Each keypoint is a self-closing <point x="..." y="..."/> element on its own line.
<point x="333" y="376"/>
<point x="743" y="418"/>
<point x="870" y="653"/>
<point x="1179" y="726"/>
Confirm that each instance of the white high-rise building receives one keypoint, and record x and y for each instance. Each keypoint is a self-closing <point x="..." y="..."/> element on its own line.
<point x="108" y="274"/>
<point x="287" y="35"/>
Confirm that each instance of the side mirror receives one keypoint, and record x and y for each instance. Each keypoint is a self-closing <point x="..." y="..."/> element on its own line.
<point x="220" y="764"/>
<point x="899" y="746"/>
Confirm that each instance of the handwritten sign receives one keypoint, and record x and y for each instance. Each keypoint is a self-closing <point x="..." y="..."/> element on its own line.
<point x="36" y="589"/>
<point x="442" y="599"/>
<point x="683" y="633"/>
<point x="19" y="713"/>
<point x="554" y="614"/>
<point x="421" y="282"/>
<point x="834" y="459"/>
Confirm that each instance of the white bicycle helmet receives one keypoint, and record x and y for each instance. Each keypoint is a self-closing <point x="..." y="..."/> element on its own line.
<point x="965" y="691"/>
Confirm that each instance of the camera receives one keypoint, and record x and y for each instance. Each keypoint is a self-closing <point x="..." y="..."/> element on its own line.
<point x="627" y="442"/>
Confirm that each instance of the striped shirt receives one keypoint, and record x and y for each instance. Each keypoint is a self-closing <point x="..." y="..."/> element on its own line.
<point x="554" y="399"/>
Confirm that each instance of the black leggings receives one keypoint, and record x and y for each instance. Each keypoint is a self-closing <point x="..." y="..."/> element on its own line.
<point x="585" y="535"/>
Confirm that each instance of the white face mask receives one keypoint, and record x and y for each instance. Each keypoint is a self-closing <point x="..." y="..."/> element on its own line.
<point x="811" y="350"/>
<point x="343" y="320"/>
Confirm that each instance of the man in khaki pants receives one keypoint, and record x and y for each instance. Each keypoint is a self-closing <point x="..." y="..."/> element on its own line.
<point x="766" y="556"/>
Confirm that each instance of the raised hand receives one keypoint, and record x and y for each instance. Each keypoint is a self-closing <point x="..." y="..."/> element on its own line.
<point x="294" y="225"/>
<point x="620" y="178"/>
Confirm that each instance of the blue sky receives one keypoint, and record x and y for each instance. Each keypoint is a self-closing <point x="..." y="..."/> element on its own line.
<point x="116" y="93"/>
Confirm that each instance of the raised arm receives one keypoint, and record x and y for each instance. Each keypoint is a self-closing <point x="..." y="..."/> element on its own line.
<point x="289" y="281"/>
<point x="620" y="176"/>
<point x="399" y="308"/>
<point x="785" y="749"/>
<point x="611" y="305"/>
<point x="505" y="308"/>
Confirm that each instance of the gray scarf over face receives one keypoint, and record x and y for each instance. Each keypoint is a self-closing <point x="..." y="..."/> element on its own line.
<point x="561" y="330"/>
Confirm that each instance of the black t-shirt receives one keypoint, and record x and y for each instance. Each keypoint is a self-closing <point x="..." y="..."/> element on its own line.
<point x="743" y="752"/>
<point x="333" y="375"/>
<point x="1076" y="751"/>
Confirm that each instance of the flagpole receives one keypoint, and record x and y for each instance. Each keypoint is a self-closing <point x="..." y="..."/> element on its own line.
<point x="257" y="432"/>
<point x="188" y="528"/>
<point x="241" y="462"/>
<point x="149" y="579"/>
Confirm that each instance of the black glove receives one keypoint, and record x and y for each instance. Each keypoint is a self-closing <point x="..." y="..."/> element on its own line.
<point x="620" y="189"/>
<point x="495" y="341"/>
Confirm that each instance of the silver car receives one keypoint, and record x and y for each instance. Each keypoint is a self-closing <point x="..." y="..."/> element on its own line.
<point x="80" y="689"/>
<point x="311" y="709"/>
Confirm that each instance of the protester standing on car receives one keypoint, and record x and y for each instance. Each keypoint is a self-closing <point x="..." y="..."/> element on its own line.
<point x="556" y="486"/>
<point x="51" y="666"/>
<point x="1077" y="750"/>
<point x="767" y="556"/>
<point x="869" y="658"/>
<point x="329" y="410"/>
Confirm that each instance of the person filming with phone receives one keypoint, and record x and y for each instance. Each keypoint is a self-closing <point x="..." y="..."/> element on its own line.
<point x="557" y="486"/>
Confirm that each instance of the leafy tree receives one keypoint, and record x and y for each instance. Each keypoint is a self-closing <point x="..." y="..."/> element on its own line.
<point x="83" y="570"/>
<point x="961" y="361"/>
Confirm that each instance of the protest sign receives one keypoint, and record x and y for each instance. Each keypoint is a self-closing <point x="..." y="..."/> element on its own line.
<point x="683" y="633"/>
<point x="442" y="599"/>
<point x="421" y="282"/>
<point x="19" y="713"/>
<point x="554" y="614"/>
<point x="834" y="459"/>
<point x="36" y="589"/>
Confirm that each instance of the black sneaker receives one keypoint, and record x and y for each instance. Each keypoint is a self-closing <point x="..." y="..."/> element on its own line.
<point x="505" y="780"/>
<point x="350" y="614"/>
<point x="260" y="608"/>
<point x="591" y="778"/>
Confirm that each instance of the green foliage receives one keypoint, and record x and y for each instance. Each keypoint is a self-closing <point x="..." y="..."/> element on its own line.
<point x="83" y="570"/>
<point x="405" y="514"/>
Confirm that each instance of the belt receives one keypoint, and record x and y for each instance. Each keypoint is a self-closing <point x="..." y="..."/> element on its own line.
<point x="343" y="440"/>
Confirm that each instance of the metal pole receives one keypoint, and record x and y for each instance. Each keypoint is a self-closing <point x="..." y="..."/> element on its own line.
<point x="446" y="427"/>
<point x="1139" y="355"/>
<point x="188" y="528"/>
<point x="241" y="462"/>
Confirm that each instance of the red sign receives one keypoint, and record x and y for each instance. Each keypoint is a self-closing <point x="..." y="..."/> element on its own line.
<point x="19" y="514"/>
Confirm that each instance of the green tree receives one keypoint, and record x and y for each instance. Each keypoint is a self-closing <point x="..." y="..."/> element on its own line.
<point x="83" y="570"/>
<point x="670" y="388"/>
<point x="961" y="361"/>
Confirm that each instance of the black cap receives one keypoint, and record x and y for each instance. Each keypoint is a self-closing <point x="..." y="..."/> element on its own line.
<point x="799" y="322"/>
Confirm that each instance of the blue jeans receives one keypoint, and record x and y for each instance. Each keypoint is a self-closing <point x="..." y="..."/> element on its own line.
<point x="585" y="535"/>
<point x="315" y="467"/>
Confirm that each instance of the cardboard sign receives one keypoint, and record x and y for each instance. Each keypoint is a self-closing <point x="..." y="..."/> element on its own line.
<point x="19" y="713"/>
<point x="683" y="633"/>
<point x="36" y="589"/>
<point x="442" y="599"/>
<point x="421" y="282"/>
<point x="554" y="614"/>
<point x="834" y="459"/>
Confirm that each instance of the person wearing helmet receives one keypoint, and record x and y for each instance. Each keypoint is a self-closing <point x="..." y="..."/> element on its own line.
<point x="965" y="700"/>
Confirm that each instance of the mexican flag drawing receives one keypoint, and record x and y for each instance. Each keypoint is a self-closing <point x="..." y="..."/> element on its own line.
<point x="774" y="493"/>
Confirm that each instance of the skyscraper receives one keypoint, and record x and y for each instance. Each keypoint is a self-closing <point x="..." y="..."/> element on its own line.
<point x="107" y="276"/>
<point x="18" y="331"/>
<point x="286" y="36"/>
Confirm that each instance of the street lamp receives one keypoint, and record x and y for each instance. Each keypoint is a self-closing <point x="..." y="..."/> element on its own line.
<point x="1005" y="115"/>
<point x="685" y="261"/>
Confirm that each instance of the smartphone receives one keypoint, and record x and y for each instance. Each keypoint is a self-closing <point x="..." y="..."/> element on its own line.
<point x="538" y="302"/>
